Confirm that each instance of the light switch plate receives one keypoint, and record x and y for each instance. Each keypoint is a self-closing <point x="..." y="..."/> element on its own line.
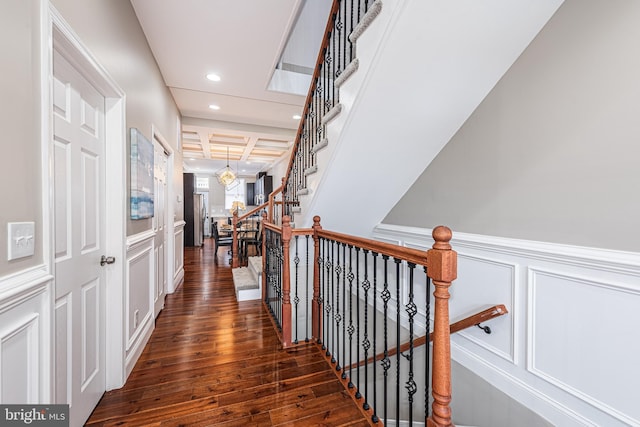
<point x="20" y="239"/>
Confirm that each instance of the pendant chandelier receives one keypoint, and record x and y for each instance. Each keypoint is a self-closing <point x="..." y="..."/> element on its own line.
<point x="237" y="205"/>
<point x="226" y="176"/>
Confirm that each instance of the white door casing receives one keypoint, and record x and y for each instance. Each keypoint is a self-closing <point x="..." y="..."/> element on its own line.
<point x="65" y="41"/>
<point x="79" y="235"/>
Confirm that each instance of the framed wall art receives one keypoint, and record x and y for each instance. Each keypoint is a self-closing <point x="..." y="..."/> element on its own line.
<point x="141" y="167"/>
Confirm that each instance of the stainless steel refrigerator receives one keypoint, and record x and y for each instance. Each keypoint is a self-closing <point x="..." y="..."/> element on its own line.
<point x="199" y="212"/>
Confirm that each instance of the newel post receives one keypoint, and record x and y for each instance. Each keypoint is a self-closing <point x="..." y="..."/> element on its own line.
<point x="286" y="282"/>
<point x="283" y="211"/>
<point x="234" y="247"/>
<point x="442" y="269"/>
<point x="316" y="309"/>
<point x="264" y="256"/>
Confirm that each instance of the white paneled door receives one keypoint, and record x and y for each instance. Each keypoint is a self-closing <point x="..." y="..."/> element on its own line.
<point x="160" y="225"/>
<point x="79" y="182"/>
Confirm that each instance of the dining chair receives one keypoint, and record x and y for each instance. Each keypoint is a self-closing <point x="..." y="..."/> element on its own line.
<point x="252" y="238"/>
<point x="220" y="241"/>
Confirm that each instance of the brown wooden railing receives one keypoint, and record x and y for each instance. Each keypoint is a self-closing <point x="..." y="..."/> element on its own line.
<point x="367" y="299"/>
<point x="273" y="216"/>
<point x="467" y="322"/>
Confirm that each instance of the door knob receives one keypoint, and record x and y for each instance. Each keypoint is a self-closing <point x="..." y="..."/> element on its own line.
<point x="107" y="260"/>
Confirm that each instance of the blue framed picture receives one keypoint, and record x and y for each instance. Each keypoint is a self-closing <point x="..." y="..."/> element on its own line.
<point x="141" y="165"/>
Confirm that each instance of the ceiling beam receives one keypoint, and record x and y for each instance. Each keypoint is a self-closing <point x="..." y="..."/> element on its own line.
<point x="204" y="142"/>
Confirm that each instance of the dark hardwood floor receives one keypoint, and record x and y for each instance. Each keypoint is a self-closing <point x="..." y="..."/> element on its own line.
<point x="212" y="361"/>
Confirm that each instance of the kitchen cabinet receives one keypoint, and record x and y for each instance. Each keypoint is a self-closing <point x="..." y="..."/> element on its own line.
<point x="250" y="193"/>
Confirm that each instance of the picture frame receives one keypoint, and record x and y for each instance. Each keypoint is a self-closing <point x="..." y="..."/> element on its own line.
<point x="141" y="174"/>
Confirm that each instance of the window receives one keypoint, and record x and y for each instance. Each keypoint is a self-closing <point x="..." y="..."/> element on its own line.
<point x="202" y="183"/>
<point x="235" y="192"/>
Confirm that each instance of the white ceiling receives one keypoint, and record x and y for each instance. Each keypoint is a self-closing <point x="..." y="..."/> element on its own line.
<point x="243" y="42"/>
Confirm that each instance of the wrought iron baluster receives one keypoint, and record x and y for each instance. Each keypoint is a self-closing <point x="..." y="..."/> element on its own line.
<point x="333" y="66"/>
<point x="344" y="309"/>
<point x="339" y="30"/>
<point x="352" y="25"/>
<point x="374" y="417"/>
<point x="328" y="306"/>
<point x="351" y="328"/>
<point x="330" y="314"/>
<point x="320" y="288"/>
<point x="397" y="397"/>
<point x="412" y="310"/>
<point x="296" y="298"/>
<point x="366" y="344"/>
<point x="386" y="363"/>
<point x="427" y="377"/>
<point x="358" y="394"/>
<point x="338" y="317"/>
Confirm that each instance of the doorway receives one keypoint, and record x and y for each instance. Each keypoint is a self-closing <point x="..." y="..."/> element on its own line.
<point x="86" y="192"/>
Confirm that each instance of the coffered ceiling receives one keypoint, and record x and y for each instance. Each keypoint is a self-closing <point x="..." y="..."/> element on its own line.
<point x="252" y="45"/>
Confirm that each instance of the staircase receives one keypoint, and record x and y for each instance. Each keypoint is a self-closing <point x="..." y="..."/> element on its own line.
<point x="248" y="280"/>
<point x="421" y="68"/>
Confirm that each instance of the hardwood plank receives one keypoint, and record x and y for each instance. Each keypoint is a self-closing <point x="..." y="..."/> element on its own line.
<point x="214" y="361"/>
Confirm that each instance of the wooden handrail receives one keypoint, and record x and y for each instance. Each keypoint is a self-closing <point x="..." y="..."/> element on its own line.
<point x="316" y="75"/>
<point x="474" y="319"/>
<point x="266" y="205"/>
<point x="409" y="254"/>
<point x="254" y="210"/>
<point x="272" y="195"/>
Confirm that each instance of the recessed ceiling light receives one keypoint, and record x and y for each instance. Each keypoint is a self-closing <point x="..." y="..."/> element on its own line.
<point x="297" y="117"/>
<point x="214" y="107"/>
<point x="192" y="159"/>
<point x="213" y="77"/>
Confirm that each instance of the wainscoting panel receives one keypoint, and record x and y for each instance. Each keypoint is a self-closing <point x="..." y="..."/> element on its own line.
<point x="470" y="296"/>
<point x="568" y="348"/>
<point x="178" y="236"/>
<point x="25" y="337"/>
<point x="139" y="295"/>
<point x="595" y="357"/>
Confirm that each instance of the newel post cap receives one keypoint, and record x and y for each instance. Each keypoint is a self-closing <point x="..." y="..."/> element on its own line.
<point x="442" y="262"/>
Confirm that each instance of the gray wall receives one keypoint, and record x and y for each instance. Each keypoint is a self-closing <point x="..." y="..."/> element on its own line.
<point x="20" y="171"/>
<point x="552" y="154"/>
<point x="110" y="30"/>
